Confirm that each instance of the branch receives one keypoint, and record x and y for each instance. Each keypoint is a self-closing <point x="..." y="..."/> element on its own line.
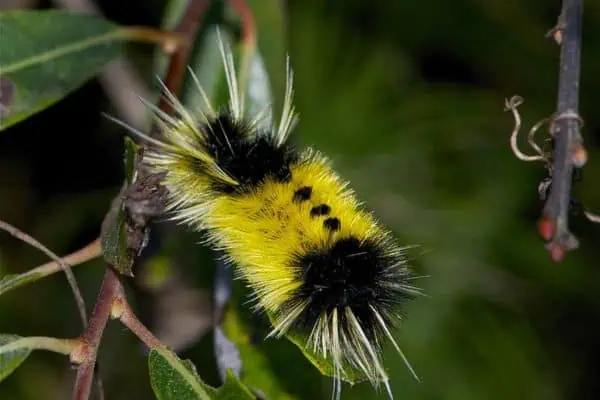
<point x="86" y="354"/>
<point x="62" y="346"/>
<point x="247" y="20"/>
<point x="122" y="310"/>
<point x="78" y="257"/>
<point x="568" y="143"/>
<point x="67" y="270"/>
<point x="248" y="36"/>
<point x="188" y="27"/>
<point x="87" y="253"/>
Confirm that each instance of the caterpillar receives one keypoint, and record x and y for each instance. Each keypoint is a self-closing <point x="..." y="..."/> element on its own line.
<point x="316" y="261"/>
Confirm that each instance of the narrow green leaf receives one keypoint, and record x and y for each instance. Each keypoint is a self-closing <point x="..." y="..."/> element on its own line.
<point x="13" y="281"/>
<point x="131" y="151"/>
<point x="325" y="366"/>
<point x="208" y="68"/>
<point x="173" y="11"/>
<point x="46" y="55"/>
<point x="172" y="378"/>
<point x="233" y="389"/>
<point x="257" y="368"/>
<point x="271" y="35"/>
<point x="253" y="79"/>
<point x="113" y="235"/>
<point x="10" y="357"/>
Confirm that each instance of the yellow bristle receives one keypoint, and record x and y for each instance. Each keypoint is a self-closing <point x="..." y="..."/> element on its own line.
<point x="261" y="216"/>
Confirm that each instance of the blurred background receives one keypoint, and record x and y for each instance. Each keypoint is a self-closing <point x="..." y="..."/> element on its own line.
<point x="407" y="99"/>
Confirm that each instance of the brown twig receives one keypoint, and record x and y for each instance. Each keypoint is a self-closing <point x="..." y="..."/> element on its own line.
<point x="121" y="309"/>
<point x="85" y="356"/>
<point x="188" y="27"/>
<point x="247" y="20"/>
<point x="87" y="253"/>
<point x="568" y="143"/>
<point x="66" y="268"/>
<point x="248" y="37"/>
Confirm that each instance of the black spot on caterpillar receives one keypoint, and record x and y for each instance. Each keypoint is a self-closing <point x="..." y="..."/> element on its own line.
<point x="302" y="194"/>
<point x="322" y="209"/>
<point x="332" y="224"/>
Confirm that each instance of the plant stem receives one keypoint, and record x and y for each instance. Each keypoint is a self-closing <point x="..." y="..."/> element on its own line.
<point x="247" y="20"/>
<point x="170" y="41"/>
<point x="78" y="257"/>
<point x="67" y="270"/>
<point x="122" y="310"/>
<point x="62" y="346"/>
<point x="188" y="27"/>
<point x="565" y="129"/>
<point x="92" y="335"/>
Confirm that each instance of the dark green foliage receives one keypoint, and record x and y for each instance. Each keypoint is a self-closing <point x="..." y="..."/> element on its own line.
<point x="407" y="98"/>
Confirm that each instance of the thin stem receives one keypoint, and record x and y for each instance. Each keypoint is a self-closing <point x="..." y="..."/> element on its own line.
<point x="512" y="106"/>
<point x="248" y="40"/>
<point x="87" y="253"/>
<point x="247" y="19"/>
<point x="78" y="257"/>
<point x="92" y="335"/>
<point x="67" y="270"/>
<point x="565" y="129"/>
<point x="62" y="346"/>
<point x="188" y="27"/>
<point x="592" y="217"/>
<point x="121" y="309"/>
<point x="170" y="41"/>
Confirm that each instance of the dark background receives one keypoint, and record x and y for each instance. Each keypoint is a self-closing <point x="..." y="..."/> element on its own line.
<point x="407" y="98"/>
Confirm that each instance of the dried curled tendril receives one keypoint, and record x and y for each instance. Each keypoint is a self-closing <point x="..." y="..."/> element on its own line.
<point x="579" y="157"/>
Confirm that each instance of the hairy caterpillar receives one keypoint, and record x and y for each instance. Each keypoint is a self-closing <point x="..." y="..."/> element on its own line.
<point x="317" y="262"/>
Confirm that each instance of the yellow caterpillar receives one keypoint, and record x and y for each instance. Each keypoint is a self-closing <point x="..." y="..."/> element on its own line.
<point x="316" y="261"/>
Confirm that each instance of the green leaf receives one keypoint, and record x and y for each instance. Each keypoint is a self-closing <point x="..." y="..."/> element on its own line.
<point x="324" y="365"/>
<point x="257" y="367"/>
<point x="47" y="54"/>
<point x="11" y="357"/>
<point x="208" y="68"/>
<point x="13" y="281"/>
<point x="233" y="389"/>
<point x="173" y="12"/>
<point x="129" y="160"/>
<point x="172" y="378"/>
<point x="253" y="78"/>
<point x="270" y="29"/>
<point x="113" y="235"/>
